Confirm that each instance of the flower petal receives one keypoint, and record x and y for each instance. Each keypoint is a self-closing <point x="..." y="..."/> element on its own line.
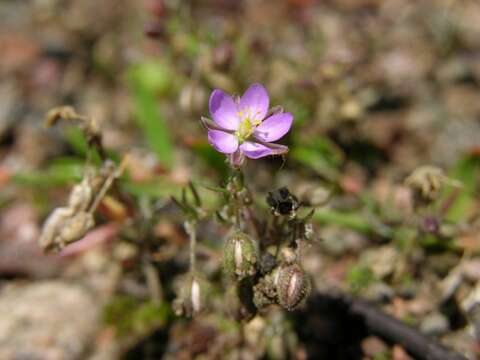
<point x="223" y="110"/>
<point x="255" y="101"/>
<point x="254" y="150"/>
<point x="274" y="127"/>
<point x="223" y="142"/>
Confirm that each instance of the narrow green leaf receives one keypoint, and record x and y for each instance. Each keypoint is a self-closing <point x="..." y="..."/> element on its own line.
<point x="466" y="171"/>
<point x="146" y="82"/>
<point x="60" y="172"/>
<point x="153" y="124"/>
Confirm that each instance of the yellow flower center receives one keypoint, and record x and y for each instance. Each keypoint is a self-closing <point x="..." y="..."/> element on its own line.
<point x="247" y="125"/>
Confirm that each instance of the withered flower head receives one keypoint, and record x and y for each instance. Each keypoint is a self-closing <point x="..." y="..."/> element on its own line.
<point x="68" y="224"/>
<point x="282" y="202"/>
<point x="427" y="181"/>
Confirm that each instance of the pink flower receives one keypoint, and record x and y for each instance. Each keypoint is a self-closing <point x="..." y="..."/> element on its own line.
<point x="245" y="127"/>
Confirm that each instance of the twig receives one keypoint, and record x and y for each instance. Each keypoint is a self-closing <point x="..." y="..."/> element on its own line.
<point x="386" y="326"/>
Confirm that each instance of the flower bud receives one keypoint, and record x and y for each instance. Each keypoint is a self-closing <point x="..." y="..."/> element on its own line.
<point x="240" y="256"/>
<point x="293" y="286"/>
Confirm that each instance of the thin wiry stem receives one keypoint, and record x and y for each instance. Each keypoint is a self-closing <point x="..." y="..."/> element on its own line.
<point x="192" y="234"/>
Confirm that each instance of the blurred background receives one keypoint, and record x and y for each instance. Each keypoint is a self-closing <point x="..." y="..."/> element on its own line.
<point x="377" y="89"/>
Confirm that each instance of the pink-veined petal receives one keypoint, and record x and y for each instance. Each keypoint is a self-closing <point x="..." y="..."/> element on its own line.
<point x="224" y="110"/>
<point x="274" y="127"/>
<point x="255" y="102"/>
<point x="223" y="142"/>
<point x="254" y="150"/>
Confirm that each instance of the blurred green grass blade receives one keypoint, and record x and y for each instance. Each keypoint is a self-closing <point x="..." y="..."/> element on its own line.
<point x="146" y="82"/>
<point x="75" y="138"/>
<point x="350" y="220"/>
<point x="347" y="219"/>
<point x="212" y="158"/>
<point x="60" y="172"/>
<point x="319" y="154"/>
<point x="360" y="277"/>
<point x="77" y="141"/>
<point x="153" y="76"/>
<point x="157" y="188"/>
<point x="466" y="171"/>
<point x="162" y="188"/>
<point x="153" y="125"/>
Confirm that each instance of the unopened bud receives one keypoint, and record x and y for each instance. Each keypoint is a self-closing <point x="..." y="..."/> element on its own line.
<point x="293" y="286"/>
<point x="240" y="256"/>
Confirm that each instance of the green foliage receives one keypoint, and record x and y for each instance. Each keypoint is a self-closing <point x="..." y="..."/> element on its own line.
<point x="319" y="154"/>
<point x="351" y="220"/>
<point x="405" y="238"/>
<point x="60" y="172"/>
<point x="359" y="277"/>
<point x="436" y="243"/>
<point x="466" y="171"/>
<point x="301" y="112"/>
<point x="75" y="137"/>
<point x="129" y="316"/>
<point x="157" y="188"/>
<point x="212" y="158"/>
<point x="154" y="77"/>
<point x="146" y="82"/>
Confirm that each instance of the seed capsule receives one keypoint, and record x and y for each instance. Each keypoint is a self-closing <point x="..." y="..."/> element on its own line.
<point x="192" y="296"/>
<point x="293" y="286"/>
<point x="240" y="256"/>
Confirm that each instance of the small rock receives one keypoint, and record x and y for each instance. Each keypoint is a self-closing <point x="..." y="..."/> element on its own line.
<point x="381" y="260"/>
<point x="379" y="292"/>
<point x="47" y="320"/>
<point x="434" y="324"/>
<point x="336" y="241"/>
